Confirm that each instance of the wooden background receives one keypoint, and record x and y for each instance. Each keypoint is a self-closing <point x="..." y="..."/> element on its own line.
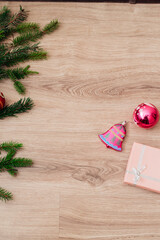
<point x="103" y="61"/>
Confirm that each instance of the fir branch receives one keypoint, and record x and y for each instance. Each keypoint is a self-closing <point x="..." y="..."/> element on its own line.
<point x="12" y="171"/>
<point x="21" y="73"/>
<point x="50" y="27"/>
<point x="21" y="162"/>
<point x="18" y="54"/>
<point x="8" y="146"/>
<point x="30" y="36"/>
<point x="5" y="16"/>
<point x="25" y="38"/>
<point x="18" y="18"/>
<point x="27" y="27"/>
<point x="17" y="74"/>
<point x="2" y="34"/>
<point x="3" y="50"/>
<point x="8" y="163"/>
<point x="3" y="73"/>
<point x="5" y="195"/>
<point x="10" y="22"/>
<point x="19" y="87"/>
<point x="20" y="49"/>
<point x="23" y="105"/>
<point x="39" y="55"/>
<point x="5" y="164"/>
<point x="10" y="155"/>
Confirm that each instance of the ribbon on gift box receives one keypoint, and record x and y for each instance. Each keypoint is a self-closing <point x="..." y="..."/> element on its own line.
<point x="137" y="171"/>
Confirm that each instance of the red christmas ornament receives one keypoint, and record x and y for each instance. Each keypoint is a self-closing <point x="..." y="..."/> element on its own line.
<point x="2" y="101"/>
<point x="146" y="115"/>
<point x="114" y="137"/>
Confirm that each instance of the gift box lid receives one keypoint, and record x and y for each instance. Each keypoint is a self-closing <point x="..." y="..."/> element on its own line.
<point x="143" y="169"/>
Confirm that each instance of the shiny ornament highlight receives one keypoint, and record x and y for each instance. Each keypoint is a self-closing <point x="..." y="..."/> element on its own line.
<point x="2" y="101"/>
<point x="146" y="115"/>
<point x="114" y="137"/>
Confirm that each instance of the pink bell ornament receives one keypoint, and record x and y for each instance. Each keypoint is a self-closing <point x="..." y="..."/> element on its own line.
<point x="114" y="137"/>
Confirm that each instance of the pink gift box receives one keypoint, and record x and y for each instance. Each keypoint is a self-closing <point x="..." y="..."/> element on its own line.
<point x="143" y="169"/>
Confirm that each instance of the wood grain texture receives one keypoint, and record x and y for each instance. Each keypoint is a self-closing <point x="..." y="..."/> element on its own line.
<point x="103" y="60"/>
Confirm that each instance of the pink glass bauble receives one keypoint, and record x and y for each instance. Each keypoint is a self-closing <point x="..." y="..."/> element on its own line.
<point x="146" y="115"/>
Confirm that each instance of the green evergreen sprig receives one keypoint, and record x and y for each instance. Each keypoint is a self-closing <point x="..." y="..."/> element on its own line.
<point x="5" y="195"/>
<point x="17" y="18"/>
<point x="50" y="27"/>
<point x="27" y="27"/>
<point x="10" y="164"/>
<point x="8" y="146"/>
<point x="10" y="56"/>
<point x="21" y="106"/>
<point x="10" y="21"/>
<point x="5" y="16"/>
<point x="21" y="48"/>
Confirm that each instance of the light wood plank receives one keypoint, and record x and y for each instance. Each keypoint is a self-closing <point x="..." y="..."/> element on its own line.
<point x="103" y="60"/>
<point x="109" y="217"/>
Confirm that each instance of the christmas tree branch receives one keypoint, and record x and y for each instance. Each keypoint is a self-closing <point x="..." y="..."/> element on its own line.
<point x="10" y="22"/>
<point x="23" y="105"/>
<point x="16" y="55"/>
<point x="5" y="16"/>
<point x="50" y="27"/>
<point x="21" y="162"/>
<point x="18" y="18"/>
<point x="31" y="36"/>
<point x="27" y="27"/>
<point x="20" y="48"/>
<point x="19" y="73"/>
<point x="5" y="195"/>
<point x="8" y="163"/>
<point x="10" y="154"/>
<point x="8" y="146"/>
<point x="25" y="38"/>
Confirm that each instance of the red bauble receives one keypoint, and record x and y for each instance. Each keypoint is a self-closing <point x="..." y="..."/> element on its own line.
<point x="2" y="101"/>
<point x="146" y="115"/>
